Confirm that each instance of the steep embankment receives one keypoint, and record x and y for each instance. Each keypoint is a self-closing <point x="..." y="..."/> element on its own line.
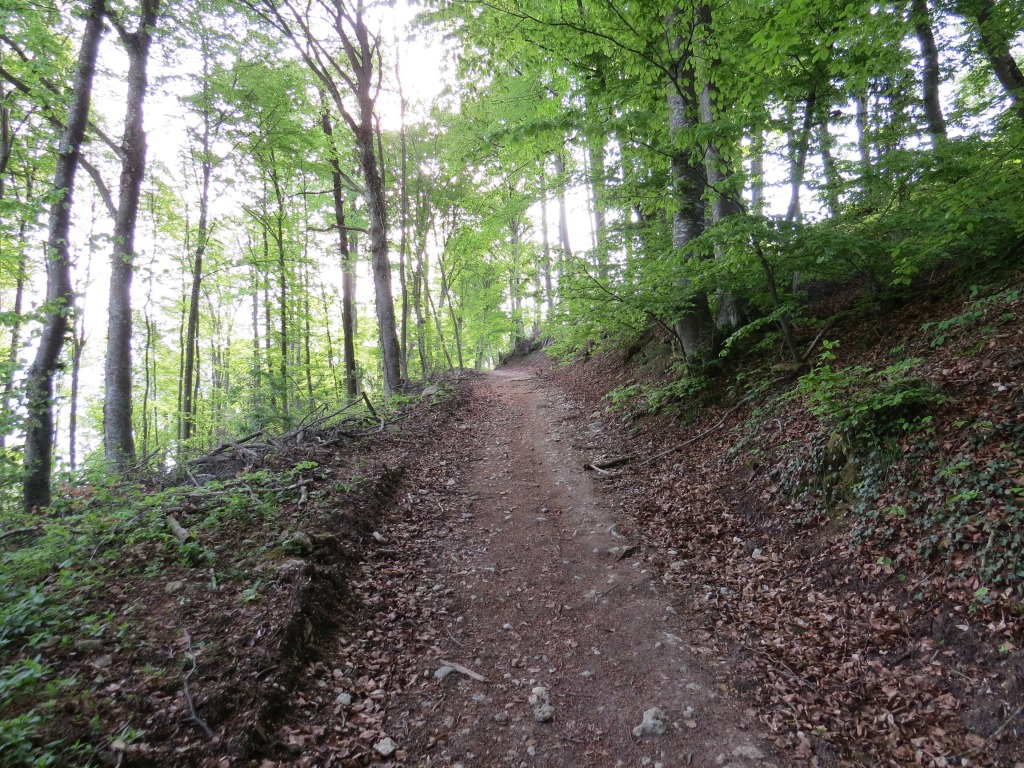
<point x="850" y="540"/>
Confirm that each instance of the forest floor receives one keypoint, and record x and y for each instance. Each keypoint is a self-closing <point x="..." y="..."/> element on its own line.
<point x="513" y="572"/>
<point x="544" y="635"/>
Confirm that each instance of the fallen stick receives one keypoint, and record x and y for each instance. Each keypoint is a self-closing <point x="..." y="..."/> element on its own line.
<point x="16" y="531"/>
<point x="188" y="695"/>
<point x="464" y="671"/>
<point x="701" y="436"/>
<point x="603" y="465"/>
<point x="224" y="446"/>
<point x="600" y="466"/>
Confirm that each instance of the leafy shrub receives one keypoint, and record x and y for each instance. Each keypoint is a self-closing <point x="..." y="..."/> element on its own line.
<point x="867" y="406"/>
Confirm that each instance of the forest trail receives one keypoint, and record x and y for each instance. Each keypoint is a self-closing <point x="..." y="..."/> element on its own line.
<point x="521" y="573"/>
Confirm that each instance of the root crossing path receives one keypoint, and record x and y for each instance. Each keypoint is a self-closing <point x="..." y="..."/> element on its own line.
<point x="517" y="621"/>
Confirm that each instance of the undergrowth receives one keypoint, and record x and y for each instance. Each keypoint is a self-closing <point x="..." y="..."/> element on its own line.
<point x="57" y="560"/>
<point x="907" y="451"/>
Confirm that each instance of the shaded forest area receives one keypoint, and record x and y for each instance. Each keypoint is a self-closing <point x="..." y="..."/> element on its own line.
<point x="802" y="213"/>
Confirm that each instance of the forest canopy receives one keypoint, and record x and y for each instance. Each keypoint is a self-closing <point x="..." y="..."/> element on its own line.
<point x="590" y="170"/>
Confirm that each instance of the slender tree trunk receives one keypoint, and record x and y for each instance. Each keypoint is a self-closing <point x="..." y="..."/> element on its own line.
<point x="59" y="295"/>
<point x="419" y="288"/>
<point x="724" y="202"/>
<point x="347" y="263"/>
<point x="596" y="146"/>
<point x="17" y="320"/>
<point x="257" y="364"/>
<point x="307" y="332"/>
<point x="930" y="71"/>
<point x="77" y="347"/>
<point x="380" y="264"/>
<point x="118" y="438"/>
<point x="563" y="218"/>
<point x="545" y="238"/>
<point x="268" y="324"/>
<point x="757" y="173"/>
<point x="190" y="374"/>
<point x="864" y="134"/>
<point x="800" y="143"/>
<point x="833" y="181"/>
<point x="282" y="289"/>
<point x="403" y="250"/>
<point x="148" y="382"/>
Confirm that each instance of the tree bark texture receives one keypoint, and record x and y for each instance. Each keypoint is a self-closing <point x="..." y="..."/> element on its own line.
<point x="930" y="71"/>
<point x="118" y="438"/>
<point x="695" y="327"/>
<point x="39" y="380"/>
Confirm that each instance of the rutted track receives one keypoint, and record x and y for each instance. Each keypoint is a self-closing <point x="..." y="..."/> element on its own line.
<point x="503" y="558"/>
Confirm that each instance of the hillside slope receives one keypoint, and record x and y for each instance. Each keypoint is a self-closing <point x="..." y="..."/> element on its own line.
<point x="847" y="536"/>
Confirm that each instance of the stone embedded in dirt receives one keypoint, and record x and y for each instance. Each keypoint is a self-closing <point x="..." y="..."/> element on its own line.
<point x="748" y="752"/>
<point x="343" y="699"/>
<point x="89" y="645"/>
<point x="501" y="718"/>
<point x="545" y="713"/>
<point x="433" y="389"/>
<point x="442" y="672"/>
<point x="506" y="626"/>
<point x="653" y="723"/>
<point x="173" y="587"/>
<point x="103" y="661"/>
<point x="290" y="566"/>
<point x="386" y="747"/>
<point x="379" y="537"/>
<point x="298" y="543"/>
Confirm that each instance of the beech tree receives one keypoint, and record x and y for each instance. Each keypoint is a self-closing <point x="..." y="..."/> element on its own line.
<point x="118" y="437"/>
<point x="59" y="291"/>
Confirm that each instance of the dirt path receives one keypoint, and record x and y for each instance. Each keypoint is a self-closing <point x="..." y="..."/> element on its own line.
<point x="507" y="560"/>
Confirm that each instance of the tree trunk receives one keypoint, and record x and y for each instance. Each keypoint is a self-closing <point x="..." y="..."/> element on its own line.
<point x="419" y="287"/>
<point x="695" y="327"/>
<point x="731" y="312"/>
<point x="347" y="265"/>
<point x="361" y="57"/>
<point x="77" y="347"/>
<point x="403" y="250"/>
<point x="596" y="146"/>
<point x="995" y="43"/>
<point x="17" y="320"/>
<point x="59" y="295"/>
<point x="545" y="239"/>
<point x="190" y="376"/>
<point x="257" y="365"/>
<point x="757" y="173"/>
<point x="833" y="181"/>
<point x="118" y="438"/>
<point x="930" y="71"/>
<point x="563" y="218"/>
<point x="801" y="142"/>
<point x="864" y="134"/>
<point x="440" y="333"/>
<point x="282" y="289"/>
